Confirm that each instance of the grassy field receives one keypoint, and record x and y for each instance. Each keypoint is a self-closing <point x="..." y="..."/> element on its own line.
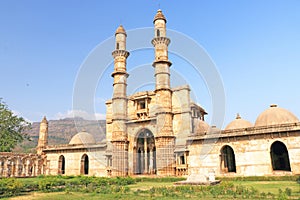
<point x="271" y="186"/>
<point x="165" y="190"/>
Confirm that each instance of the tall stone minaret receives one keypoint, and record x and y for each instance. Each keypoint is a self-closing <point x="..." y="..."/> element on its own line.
<point x="43" y="136"/>
<point x="119" y="106"/>
<point x="165" y="140"/>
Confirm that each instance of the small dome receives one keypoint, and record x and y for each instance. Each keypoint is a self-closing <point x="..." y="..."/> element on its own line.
<point x="201" y="127"/>
<point x="214" y="130"/>
<point x="238" y="123"/>
<point x="120" y="29"/>
<point x="159" y="15"/>
<point x="83" y="138"/>
<point x="275" y="115"/>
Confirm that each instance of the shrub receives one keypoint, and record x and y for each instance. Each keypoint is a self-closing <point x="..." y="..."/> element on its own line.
<point x="288" y="191"/>
<point x="10" y="187"/>
<point x="51" y="184"/>
<point x="121" y="181"/>
<point x="282" y="195"/>
<point x="85" y="180"/>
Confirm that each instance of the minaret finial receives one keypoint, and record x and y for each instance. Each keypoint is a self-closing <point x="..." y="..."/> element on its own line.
<point x="159" y="15"/>
<point x="238" y="116"/>
<point x="44" y="120"/>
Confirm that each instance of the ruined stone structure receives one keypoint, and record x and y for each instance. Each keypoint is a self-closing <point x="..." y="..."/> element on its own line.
<point x="21" y="164"/>
<point x="162" y="132"/>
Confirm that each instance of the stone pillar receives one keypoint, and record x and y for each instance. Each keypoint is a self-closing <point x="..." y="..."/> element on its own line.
<point x="145" y="155"/>
<point x="16" y="173"/>
<point x="151" y="160"/>
<point x="19" y="169"/>
<point x="1" y="168"/>
<point x="5" y="168"/>
<point x="8" y="168"/>
<point x="24" y="169"/>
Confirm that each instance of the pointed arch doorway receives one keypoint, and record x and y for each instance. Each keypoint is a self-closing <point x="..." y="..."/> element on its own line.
<point x="280" y="157"/>
<point x="84" y="165"/>
<point x="145" y="153"/>
<point x="227" y="159"/>
<point x="61" y="165"/>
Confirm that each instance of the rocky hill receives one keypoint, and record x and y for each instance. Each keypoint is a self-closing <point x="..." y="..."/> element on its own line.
<point x="61" y="131"/>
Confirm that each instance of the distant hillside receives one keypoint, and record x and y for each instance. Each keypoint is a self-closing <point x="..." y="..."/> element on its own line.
<point x="61" y="131"/>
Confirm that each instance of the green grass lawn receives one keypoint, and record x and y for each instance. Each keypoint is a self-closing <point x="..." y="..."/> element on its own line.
<point x="142" y="190"/>
<point x="271" y="186"/>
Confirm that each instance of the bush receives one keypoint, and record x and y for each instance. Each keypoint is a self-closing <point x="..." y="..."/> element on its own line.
<point x="10" y="187"/>
<point x="121" y="181"/>
<point x="51" y="184"/>
<point x="288" y="191"/>
<point x="282" y="195"/>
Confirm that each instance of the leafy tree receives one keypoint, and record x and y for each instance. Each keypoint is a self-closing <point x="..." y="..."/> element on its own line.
<point x="11" y="128"/>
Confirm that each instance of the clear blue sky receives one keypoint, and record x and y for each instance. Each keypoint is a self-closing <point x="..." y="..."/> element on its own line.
<point x="254" y="44"/>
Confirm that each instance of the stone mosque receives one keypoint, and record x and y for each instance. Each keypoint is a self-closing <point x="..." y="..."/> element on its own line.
<point x="163" y="133"/>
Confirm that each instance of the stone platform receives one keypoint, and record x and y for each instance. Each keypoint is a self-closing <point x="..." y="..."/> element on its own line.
<point x="197" y="179"/>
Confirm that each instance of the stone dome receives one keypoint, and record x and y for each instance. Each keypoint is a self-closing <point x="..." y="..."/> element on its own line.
<point x="201" y="127"/>
<point x="214" y="130"/>
<point x="275" y="115"/>
<point x="83" y="138"/>
<point x="120" y="29"/>
<point x="238" y="123"/>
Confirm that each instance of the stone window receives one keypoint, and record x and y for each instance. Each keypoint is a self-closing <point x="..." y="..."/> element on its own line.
<point x="182" y="160"/>
<point x="142" y="105"/>
<point x="142" y="111"/>
<point x="157" y="33"/>
<point x="109" y="161"/>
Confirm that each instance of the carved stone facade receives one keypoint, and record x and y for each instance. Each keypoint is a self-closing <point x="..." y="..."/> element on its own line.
<point x="162" y="132"/>
<point x="145" y="128"/>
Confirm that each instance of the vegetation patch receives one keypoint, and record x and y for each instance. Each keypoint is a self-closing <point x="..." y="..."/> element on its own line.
<point x="84" y="187"/>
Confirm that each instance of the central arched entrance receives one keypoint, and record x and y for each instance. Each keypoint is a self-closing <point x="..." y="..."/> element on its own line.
<point x="145" y="153"/>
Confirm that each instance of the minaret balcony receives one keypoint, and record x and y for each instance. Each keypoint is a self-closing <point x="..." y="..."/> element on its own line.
<point x="160" y="40"/>
<point x="120" y="73"/>
<point x="117" y="53"/>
